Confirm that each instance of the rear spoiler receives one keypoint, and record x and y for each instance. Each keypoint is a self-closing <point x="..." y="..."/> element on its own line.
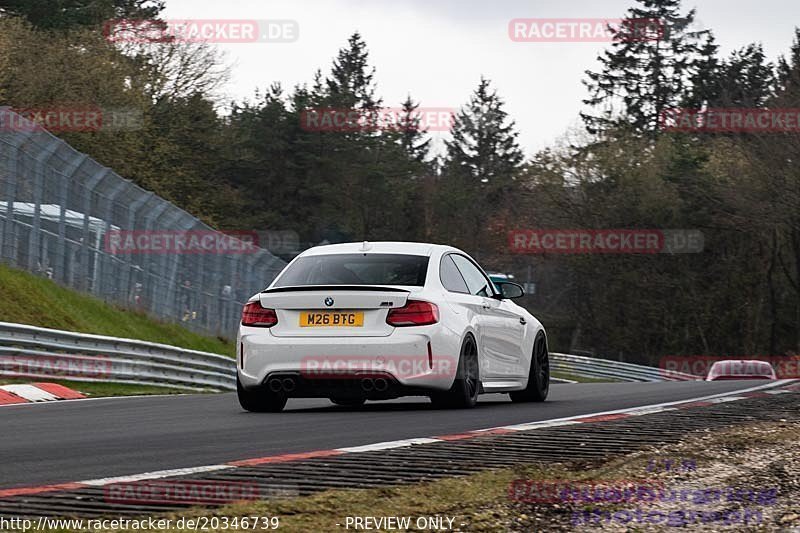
<point x="302" y="288"/>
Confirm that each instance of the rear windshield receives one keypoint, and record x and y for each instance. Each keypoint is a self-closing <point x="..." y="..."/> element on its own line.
<point x="356" y="269"/>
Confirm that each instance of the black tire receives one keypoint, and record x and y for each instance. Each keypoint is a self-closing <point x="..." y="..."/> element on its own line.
<point x="538" y="376"/>
<point x="348" y="402"/>
<point x="261" y="400"/>
<point x="464" y="392"/>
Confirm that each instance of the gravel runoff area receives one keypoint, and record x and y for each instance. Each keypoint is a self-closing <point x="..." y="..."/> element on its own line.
<point x="746" y="478"/>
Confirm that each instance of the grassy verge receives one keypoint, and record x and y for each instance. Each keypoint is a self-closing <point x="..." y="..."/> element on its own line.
<point x="29" y="299"/>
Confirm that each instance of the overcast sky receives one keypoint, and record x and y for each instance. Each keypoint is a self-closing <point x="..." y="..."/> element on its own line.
<point x="437" y="50"/>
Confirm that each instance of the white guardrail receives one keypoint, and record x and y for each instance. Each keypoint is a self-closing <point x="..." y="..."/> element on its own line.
<point x="41" y="353"/>
<point x="592" y="367"/>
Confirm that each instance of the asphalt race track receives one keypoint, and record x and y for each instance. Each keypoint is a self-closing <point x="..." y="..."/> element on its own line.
<point x="74" y="441"/>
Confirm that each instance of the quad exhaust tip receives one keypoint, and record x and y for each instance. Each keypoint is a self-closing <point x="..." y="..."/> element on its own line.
<point x="289" y="384"/>
<point x="377" y="384"/>
<point x="282" y="385"/>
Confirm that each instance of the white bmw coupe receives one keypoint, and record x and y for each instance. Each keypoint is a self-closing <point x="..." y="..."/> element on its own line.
<point x="378" y="320"/>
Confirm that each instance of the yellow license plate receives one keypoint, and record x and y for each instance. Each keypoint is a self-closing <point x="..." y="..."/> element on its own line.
<point x="331" y="319"/>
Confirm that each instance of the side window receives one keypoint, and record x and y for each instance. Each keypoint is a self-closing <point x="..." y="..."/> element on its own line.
<point x="476" y="281"/>
<point x="451" y="277"/>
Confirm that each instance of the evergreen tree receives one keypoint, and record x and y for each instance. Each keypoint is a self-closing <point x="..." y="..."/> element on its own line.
<point x="362" y="172"/>
<point x="412" y="138"/>
<point x="351" y="83"/>
<point x="484" y="146"/>
<point x="646" y="73"/>
<point x="745" y="79"/>
<point x="480" y="167"/>
<point x="72" y="14"/>
<point x="789" y="69"/>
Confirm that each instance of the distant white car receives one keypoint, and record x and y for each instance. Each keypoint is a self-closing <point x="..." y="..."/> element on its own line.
<point x="740" y="369"/>
<point x="370" y="321"/>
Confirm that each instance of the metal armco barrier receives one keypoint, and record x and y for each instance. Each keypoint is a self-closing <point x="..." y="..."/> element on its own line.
<point x="41" y="353"/>
<point x="592" y="367"/>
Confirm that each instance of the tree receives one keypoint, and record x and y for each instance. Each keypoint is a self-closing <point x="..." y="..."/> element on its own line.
<point x="263" y="157"/>
<point x="412" y="137"/>
<point x="172" y="148"/>
<point x="481" y="164"/>
<point x="484" y="146"/>
<point x="646" y="73"/>
<point x="789" y="69"/>
<point x="745" y="79"/>
<point x="174" y="69"/>
<point x="356" y="183"/>
<point x="79" y="14"/>
<point x="351" y="83"/>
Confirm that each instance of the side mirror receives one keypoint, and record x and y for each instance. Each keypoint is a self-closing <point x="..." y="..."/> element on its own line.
<point x="509" y="290"/>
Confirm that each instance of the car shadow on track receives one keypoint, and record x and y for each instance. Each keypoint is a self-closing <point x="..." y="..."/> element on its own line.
<point x="405" y="404"/>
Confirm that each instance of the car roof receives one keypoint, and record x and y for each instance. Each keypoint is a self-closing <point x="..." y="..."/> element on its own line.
<point x="381" y="247"/>
<point x="738" y="366"/>
<point x="742" y="362"/>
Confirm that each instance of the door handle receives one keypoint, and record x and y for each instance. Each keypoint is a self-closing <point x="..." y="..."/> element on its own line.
<point x="522" y="321"/>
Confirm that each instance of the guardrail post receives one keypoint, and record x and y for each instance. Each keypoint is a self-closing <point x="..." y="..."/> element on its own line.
<point x="175" y="280"/>
<point x="86" y="281"/>
<point x="62" y="252"/>
<point x="9" y="238"/>
<point x="104" y="261"/>
<point x="35" y="262"/>
<point x="129" y="258"/>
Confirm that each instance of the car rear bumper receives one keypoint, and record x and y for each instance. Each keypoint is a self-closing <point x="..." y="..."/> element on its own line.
<point x="409" y="361"/>
<point x="371" y="386"/>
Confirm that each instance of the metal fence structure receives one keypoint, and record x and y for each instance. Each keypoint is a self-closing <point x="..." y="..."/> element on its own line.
<point x="57" y="209"/>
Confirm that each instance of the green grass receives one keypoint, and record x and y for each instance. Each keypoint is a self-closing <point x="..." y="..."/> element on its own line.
<point x="29" y="299"/>
<point x="581" y="379"/>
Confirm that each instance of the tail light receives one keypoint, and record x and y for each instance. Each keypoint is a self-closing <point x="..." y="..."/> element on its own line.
<point x="256" y="316"/>
<point x="414" y="313"/>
